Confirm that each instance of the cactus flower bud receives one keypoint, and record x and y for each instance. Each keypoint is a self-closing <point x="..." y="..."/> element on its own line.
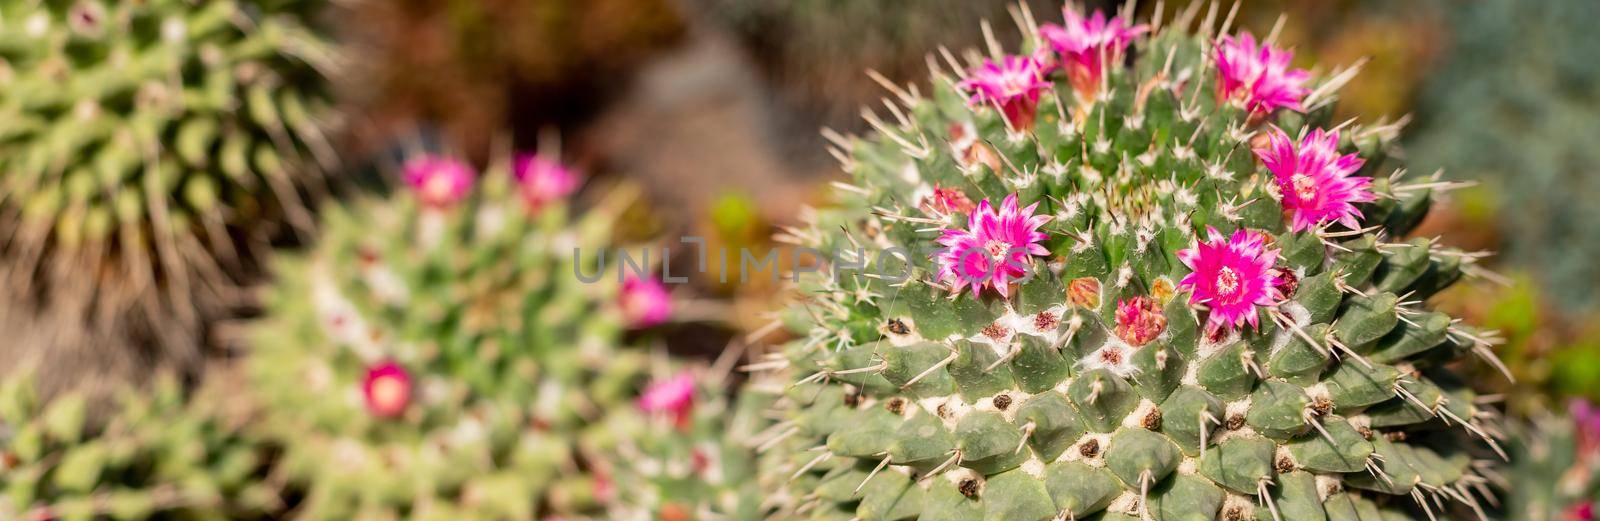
<point x="543" y="180"/>
<point x="439" y="182"/>
<point x="645" y="302"/>
<point x="1139" y="320"/>
<point x="387" y="388"/>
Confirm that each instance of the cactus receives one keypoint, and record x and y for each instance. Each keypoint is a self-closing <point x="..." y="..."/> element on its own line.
<point x="694" y="460"/>
<point x="146" y="148"/>
<point x="1135" y="272"/>
<point x="437" y="356"/>
<point x="159" y="455"/>
<point x="1555" y="471"/>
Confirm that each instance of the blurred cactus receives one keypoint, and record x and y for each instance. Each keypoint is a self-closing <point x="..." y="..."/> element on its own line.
<point x="1160" y="290"/>
<point x="438" y="356"/>
<point x="148" y="147"/>
<point x="158" y="456"/>
<point x="1555" y="471"/>
<point x="1517" y="103"/>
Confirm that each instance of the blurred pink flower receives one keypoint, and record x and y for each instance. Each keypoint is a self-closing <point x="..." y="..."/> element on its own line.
<point x="1139" y="320"/>
<point x="1231" y="276"/>
<point x="993" y="249"/>
<point x="1314" y="179"/>
<point x="645" y="302"/>
<point x="1087" y="45"/>
<point x="542" y="180"/>
<point x="1013" y="84"/>
<point x="387" y="388"/>
<point x="1259" y="77"/>
<point x="1579" y="512"/>
<point x="439" y="182"/>
<point x="673" y="397"/>
<point x="945" y="201"/>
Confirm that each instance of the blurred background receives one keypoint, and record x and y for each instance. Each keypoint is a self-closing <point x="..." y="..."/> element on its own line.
<point x="716" y="105"/>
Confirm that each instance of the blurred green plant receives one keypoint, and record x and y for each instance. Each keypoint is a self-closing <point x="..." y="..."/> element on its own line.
<point x="149" y="149"/>
<point x="160" y="455"/>
<point x="1517" y="102"/>
<point x="437" y="356"/>
<point x="1555" y="465"/>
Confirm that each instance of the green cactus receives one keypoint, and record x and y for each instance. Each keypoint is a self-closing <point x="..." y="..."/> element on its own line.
<point x="1119" y="358"/>
<point x="437" y="356"/>
<point x="1555" y="471"/>
<point x="159" y="455"/>
<point x="148" y="145"/>
<point x="701" y="468"/>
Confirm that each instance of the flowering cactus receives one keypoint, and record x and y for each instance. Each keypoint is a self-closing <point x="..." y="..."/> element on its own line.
<point x="1139" y="318"/>
<point x="437" y="355"/>
<point x="155" y="454"/>
<point x="148" y="150"/>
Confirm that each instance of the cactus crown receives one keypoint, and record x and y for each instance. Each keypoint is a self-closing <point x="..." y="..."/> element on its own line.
<point x="1162" y="285"/>
<point x="139" y="138"/>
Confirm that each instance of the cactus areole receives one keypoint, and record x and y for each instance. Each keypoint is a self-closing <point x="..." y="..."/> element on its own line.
<point x="1198" y="298"/>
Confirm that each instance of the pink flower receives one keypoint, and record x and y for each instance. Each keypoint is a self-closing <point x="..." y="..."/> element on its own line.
<point x="645" y="302"/>
<point x="1258" y="76"/>
<point x="1586" y="420"/>
<point x="945" y="201"/>
<point x="1315" y="180"/>
<point x="1231" y="276"/>
<point x="1579" y="512"/>
<point x="387" y="388"/>
<point x="1139" y="320"/>
<point x="1086" y="45"/>
<point x="439" y="182"/>
<point x="994" y="248"/>
<point x="1013" y="85"/>
<point x="543" y="180"/>
<point x="673" y="397"/>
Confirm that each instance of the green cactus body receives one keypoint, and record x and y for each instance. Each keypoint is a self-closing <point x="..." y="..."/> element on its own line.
<point x="157" y="455"/>
<point x="1097" y="385"/>
<point x="148" y="146"/>
<point x="437" y="362"/>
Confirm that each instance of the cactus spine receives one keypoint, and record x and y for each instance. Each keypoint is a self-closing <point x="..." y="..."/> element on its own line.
<point x="1163" y="285"/>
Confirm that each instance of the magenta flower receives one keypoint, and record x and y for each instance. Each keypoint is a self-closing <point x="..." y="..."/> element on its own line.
<point x="1583" y="511"/>
<point x="1231" y="276"/>
<point x="673" y="397"/>
<point x="1315" y="180"/>
<point x="1086" y="45"/>
<point x="543" y="180"/>
<point x="439" y="182"/>
<point x="387" y="388"/>
<point x="1013" y="85"/>
<point x="1586" y="420"/>
<point x="644" y="302"/>
<point x="994" y="248"/>
<point x="1139" y="320"/>
<point x="1259" y="77"/>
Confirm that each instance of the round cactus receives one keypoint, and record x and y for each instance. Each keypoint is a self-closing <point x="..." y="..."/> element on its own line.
<point x="1133" y="272"/>
<point x="441" y="355"/>
<point x="146" y="144"/>
<point x="158" y="455"/>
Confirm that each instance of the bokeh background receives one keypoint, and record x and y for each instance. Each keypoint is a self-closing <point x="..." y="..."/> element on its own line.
<point x="716" y="106"/>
